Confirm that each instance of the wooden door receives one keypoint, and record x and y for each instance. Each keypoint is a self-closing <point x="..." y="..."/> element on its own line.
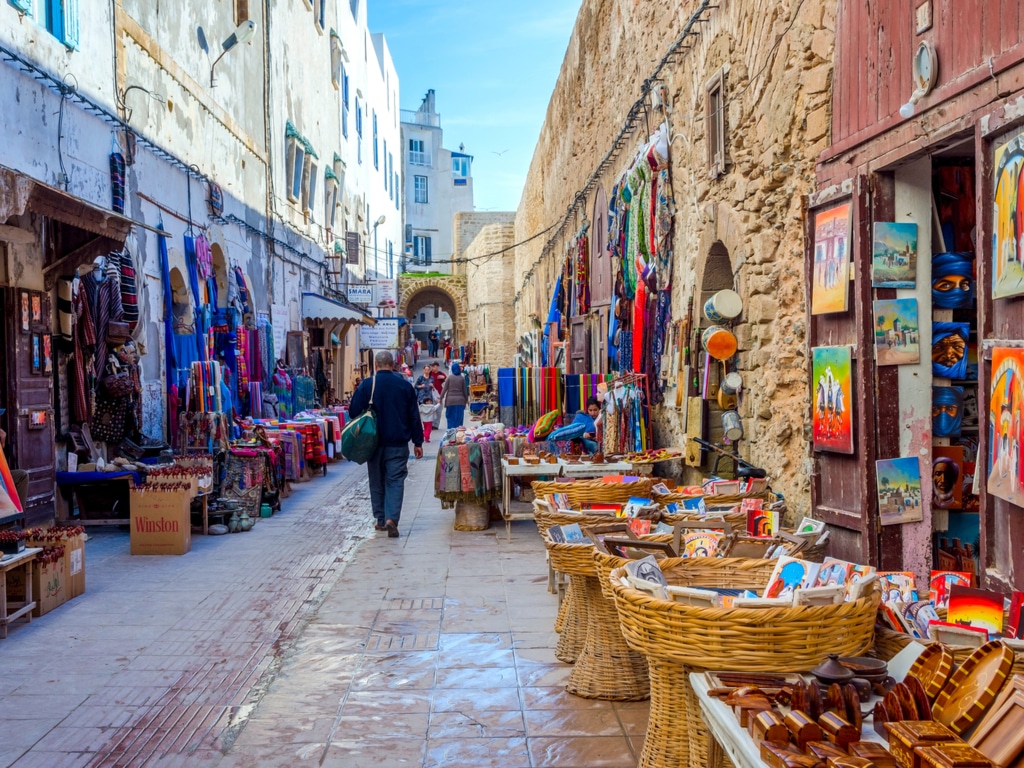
<point x="843" y="485"/>
<point x="579" y="345"/>
<point x="29" y="401"/>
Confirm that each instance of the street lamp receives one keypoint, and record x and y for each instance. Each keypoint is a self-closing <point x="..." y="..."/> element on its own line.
<point x="243" y="34"/>
<point x="376" y="224"/>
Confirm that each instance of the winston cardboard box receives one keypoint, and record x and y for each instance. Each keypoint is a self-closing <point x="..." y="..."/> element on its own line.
<point x="49" y="586"/>
<point x="160" y="522"/>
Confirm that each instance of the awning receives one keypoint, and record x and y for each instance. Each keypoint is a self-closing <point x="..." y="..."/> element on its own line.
<point x="318" y="307"/>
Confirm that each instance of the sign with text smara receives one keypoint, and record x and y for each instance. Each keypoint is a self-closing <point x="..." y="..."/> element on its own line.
<point x="360" y="294"/>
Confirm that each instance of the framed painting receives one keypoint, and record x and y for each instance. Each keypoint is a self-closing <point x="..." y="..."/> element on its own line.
<point x="37" y="308"/>
<point x="899" y="490"/>
<point x="830" y="279"/>
<point x="26" y="312"/>
<point x="1007" y="256"/>
<point x="894" y="255"/>
<point x="947" y="474"/>
<point x="1006" y="399"/>
<point x="47" y="354"/>
<point x="832" y="399"/>
<point x="36" y="353"/>
<point x="897" y="333"/>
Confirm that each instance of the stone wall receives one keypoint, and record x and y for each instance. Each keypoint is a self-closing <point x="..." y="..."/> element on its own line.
<point x="465" y="228"/>
<point x="489" y="283"/>
<point x="777" y="73"/>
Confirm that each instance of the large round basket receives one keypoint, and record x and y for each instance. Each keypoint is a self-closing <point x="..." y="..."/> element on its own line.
<point x="679" y="639"/>
<point x="470" y="516"/>
<point x="604" y="666"/>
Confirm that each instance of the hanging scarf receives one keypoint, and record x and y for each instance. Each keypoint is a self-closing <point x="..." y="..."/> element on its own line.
<point x="117" y="166"/>
<point x="465" y="470"/>
<point x="582" y="275"/>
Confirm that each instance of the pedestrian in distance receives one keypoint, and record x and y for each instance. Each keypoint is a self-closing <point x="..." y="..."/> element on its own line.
<point x="454" y="396"/>
<point x="426" y="398"/>
<point x="432" y="339"/>
<point x="398" y="424"/>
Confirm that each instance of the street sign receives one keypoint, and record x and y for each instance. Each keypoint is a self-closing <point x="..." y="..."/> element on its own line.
<point x="383" y="335"/>
<point x="360" y="294"/>
<point x="387" y="293"/>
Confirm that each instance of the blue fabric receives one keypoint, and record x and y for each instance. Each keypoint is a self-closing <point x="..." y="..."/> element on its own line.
<point x="77" y="478"/>
<point x="387" y="470"/>
<point x="506" y="387"/>
<point x="568" y="432"/>
<point x="394" y="400"/>
<point x="454" y="415"/>
<point x="170" y="364"/>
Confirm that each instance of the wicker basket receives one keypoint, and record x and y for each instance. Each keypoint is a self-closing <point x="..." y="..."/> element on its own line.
<point x="580" y="492"/>
<point x="472" y="517"/>
<point x="604" y="666"/>
<point x="679" y="639"/>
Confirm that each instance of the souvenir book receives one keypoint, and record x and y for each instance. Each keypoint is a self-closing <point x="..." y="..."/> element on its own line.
<point x="700" y="544"/>
<point x="809" y="525"/>
<point x="648" y="586"/>
<point x="637" y="506"/>
<point x="639" y="526"/>
<point x="789" y="575"/>
<point x="948" y="633"/>
<point x="695" y="505"/>
<point x="941" y="582"/>
<point x="647" y="569"/>
<point x="573" y="534"/>
<point x="604" y="509"/>
<point x="833" y="572"/>
<point x="701" y="598"/>
<point x="921" y="614"/>
<point x="556" y="535"/>
<point x="860" y="580"/>
<point x="976" y="608"/>
<point x="831" y="595"/>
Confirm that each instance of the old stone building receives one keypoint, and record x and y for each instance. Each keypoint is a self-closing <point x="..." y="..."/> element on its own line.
<point x="489" y="280"/>
<point x="739" y="189"/>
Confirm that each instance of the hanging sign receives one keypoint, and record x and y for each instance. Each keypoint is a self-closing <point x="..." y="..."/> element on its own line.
<point x="360" y="294"/>
<point x="383" y="335"/>
<point x="387" y="293"/>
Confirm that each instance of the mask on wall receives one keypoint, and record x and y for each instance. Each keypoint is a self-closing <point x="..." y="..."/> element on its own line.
<point x="947" y="411"/>
<point x="953" y="280"/>
<point x="949" y="350"/>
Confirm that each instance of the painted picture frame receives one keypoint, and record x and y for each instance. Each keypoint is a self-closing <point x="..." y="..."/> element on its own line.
<point x="47" y="354"/>
<point x="26" y="312"/>
<point x="35" y="351"/>
<point x="1007" y="258"/>
<point x="897" y="332"/>
<point x="37" y="308"/>
<point x="832" y="399"/>
<point x="1006" y="399"/>
<point x="830" y="275"/>
<point x="947" y="477"/>
<point x="898" y="484"/>
<point x="894" y="255"/>
<point x="37" y="418"/>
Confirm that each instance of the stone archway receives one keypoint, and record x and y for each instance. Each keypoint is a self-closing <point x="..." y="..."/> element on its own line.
<point x="445" y="291"/>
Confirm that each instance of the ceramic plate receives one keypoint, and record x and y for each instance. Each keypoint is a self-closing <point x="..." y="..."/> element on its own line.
<point x="933" y="668"/>
<point x="973" y="687"/>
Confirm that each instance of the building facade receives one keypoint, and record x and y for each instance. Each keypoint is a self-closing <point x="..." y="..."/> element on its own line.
<point x="218" y="133"/>
<point x="743" y="92"/>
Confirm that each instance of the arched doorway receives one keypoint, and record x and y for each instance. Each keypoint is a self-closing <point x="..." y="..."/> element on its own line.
<point x="431" y="303"/>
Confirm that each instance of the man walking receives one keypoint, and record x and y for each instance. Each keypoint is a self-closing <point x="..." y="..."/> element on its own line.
<point x="432" y="339"/>
<point x="398" y="423"/>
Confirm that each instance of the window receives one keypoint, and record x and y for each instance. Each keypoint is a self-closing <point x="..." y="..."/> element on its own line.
<point x="60" y="17"/>
<point x="460" y="166"/>
<point x="389" y="175"/>
<point x="398" y="196"/>
<point x="320" y="15"/>
<point x="337" y="57"/>
<point x="344" y="101"/>
<point x="241" y="11"/>
<point x="376" y="155"/>
<point x="421" y="249"/>
<point x="423" y="317"/>
<point x="309" y="186"/>
<point x="359" y="131"/>
<point x="330" y="198"/>
<point x="295" y="157"/>
<point x="420" y="189"/>
<point x="714" y="124"/>
<point x="417" y="152"/>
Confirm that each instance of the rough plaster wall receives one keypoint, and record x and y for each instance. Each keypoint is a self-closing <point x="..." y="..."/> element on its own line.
<point x="466" y="226"/>
<point x="489" y="284"/>
<point x="777" y="123"/>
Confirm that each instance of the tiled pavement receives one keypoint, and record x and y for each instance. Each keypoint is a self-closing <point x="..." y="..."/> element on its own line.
<point x="311" y="640"/>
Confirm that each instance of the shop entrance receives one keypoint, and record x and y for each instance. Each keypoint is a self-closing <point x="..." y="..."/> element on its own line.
<point x="26" y="392"/>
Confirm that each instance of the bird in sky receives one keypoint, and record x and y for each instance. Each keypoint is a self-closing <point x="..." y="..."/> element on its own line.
<point x="499" y="154"/>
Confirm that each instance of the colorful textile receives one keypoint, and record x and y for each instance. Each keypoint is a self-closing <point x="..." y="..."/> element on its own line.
<point x="476" y="469"/>
<point x="545" y="424"/>
<point x="129" y="290"/>
<point x="450" y="468"/>
<point x="465" y="471"/>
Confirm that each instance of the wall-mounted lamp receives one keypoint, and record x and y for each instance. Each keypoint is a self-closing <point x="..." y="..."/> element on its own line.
<point x="243" y="34"/>
<point x="926" y="68"/>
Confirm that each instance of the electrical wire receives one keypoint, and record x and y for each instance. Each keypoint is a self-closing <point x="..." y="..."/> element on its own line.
<point x="65" y="90"/>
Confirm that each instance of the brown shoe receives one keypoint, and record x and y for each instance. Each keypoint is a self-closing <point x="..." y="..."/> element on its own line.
<point x="392" y="527"/>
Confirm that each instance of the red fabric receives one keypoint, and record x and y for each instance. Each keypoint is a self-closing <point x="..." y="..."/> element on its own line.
<point x="639" y="311"/>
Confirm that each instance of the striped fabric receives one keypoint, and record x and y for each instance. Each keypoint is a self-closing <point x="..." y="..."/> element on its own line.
<point x="129" y="290"/>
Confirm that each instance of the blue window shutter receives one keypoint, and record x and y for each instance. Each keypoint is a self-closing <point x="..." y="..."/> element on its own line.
<point x="25" y="6"/>
<point x="71" y="23"/>
<point x="428" y="250"/>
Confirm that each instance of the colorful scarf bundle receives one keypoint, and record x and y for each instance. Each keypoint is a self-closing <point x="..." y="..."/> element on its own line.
<point x="476" y="469"/>
<point x="452" y="472"/>
<point x="465" y="470"/>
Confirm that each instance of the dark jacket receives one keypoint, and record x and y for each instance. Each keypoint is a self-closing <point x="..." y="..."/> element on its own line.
<point x="394" y="400"/>
<point x="455" y="390"/>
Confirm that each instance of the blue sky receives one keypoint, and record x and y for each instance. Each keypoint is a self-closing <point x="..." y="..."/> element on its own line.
<point x="492" y="65"/>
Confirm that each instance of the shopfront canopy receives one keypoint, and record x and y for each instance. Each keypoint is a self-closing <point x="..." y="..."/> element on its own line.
<point x="318" y="307"/>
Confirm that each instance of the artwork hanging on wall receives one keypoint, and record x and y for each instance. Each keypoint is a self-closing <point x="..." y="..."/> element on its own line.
<point x="947" y="411"/>
<point x="26" y="313"/>
<point x="1008" y="267"/>
<point x="899" y="490"/>
<point x="897" y="334"/>
<point x="832" y="382"/>
<point x="949" y="350"/>
<point x="953" y="281"/>
<point x="947" y="472"/>
<point x="830" y="279"/>
<point x="1006" y="399"/>
<point x="894" y="255"/>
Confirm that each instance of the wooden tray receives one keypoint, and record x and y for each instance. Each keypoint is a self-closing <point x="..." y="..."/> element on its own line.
<point x="933" y="668"/>
<point x="973" y="687"/>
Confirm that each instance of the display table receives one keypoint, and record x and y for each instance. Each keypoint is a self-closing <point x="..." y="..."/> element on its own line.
<point x="519" y="510"/>
<point x="71" y="485"/>
<point x="589" y="469"/>
<point x="728" y="737"/>
<point x="11" y="611"/>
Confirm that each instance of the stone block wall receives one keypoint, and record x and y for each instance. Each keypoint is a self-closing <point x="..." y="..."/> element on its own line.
<point x="489" y="285"/>
<point x="777" y="74"/>
<point x="466" y="226"/>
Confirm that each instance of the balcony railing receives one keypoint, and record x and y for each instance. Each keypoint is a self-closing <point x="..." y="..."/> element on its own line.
<point x="419" y="158"/>
<point x="429" y="119"/>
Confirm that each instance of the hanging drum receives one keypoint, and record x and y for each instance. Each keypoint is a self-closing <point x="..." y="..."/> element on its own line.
<point x="732" y="426"/>
<point x="719" y="342"/>
<point x="732" y="383"/>
<point x="723" y="307"/>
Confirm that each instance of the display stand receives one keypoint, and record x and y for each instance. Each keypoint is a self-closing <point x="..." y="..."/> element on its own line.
<point x="520" y="510"/>
<point x="71" y="484"/>
<point x="24" y="559"/>
<point x="729" y="738"/>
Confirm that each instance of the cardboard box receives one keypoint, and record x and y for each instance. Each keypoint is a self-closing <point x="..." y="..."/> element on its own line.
<point x="49" y="586"/>
<point x="160" y="523"/>
<point x="74" y="562"/>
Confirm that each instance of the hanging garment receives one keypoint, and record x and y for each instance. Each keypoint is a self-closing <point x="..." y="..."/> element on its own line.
<point x="117" y="167"/>
<point x="85" y="342"/>
<point x="65" y="311"/>
<point x="129" y="290"/>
